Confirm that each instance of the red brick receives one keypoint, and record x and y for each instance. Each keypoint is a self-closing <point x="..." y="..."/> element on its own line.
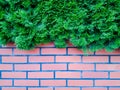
<point x="115" y="58"/>
<point x="107" y="83"/>
<point x="40" y="59"/>
<point x="34" y="51"/>
<point x="53" y="51"/>
<point x="67" y="88"/>
<point x="10" y="45"/>
<point x="95" y="59"/>
<point x="13" y="74"/>
<point x="26" y="83"/>
<point x="40" y="89"/>
<point x="51" y="44"/>
<point x="5" y="82"/>
<point x="95" y="75"/>
<point x="28" y="67"/>
<point x="114" y="88"/>
<point x="77" y="51"/>
<point x="80" y="83"/>
<point x="40" y="75"/>
<point x="69" y="44"/>
<point x="68" y="59"/>
<point x="108" y="66"/>
<point x="53" y="83"/>
<point x="114" y="74"/>
<point x="54" y="67"/>
<point x="5" y="51"/>
<point x="6" y="67"/>
<point x="81" y="67"/>
<point x="94" y="88"/>
<point x="103" y="52"/>
<point x="14" y="59"/>
<point x="13" y="88"/>
<point x="67" y="74"/>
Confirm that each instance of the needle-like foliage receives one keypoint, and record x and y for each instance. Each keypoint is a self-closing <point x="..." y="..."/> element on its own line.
<point x="87" y="24"/>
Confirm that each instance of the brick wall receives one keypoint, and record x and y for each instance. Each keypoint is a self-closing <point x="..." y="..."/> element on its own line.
<point x="48" y="68"/>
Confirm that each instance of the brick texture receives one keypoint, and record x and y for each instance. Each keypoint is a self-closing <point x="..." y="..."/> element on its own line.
<point x="107" y="82"/>
<point x="68" y="74"/>
<point x="50" y="68"/>
<point x="81" y="66"/>
<point x="114" y="74"/>
<point x="5" y="51"/>
<point x="94" y="59"/>
<point x="40" y="89"/>
<point x="94" y="88"/>
<point x="95" y="75"/>
<point x="40" y="75"/>
<point x="27" y="67"/>
<point x="76" y="51"/>
<point x="114" y="88"/>
<point x="13" y="74"/>
<point x="24" y="52"/>
<point x="109" y="67"/>
<point x="54" y="67"/>
<point x="67" y="88"/>
<point x="80" y="83"/>
<point x="5" y="82"/>
<point x="115" y="59"/>
<point x="13" y="88"/>
<point x="68" y="59"/>
<point x="26" y="82"/>
<point x="50" y="51"/>
<point x="41" y="59"/>
<point x="53" y="83"/>
<point x="14" y="59"/>
<point x="6" y="67"/>
<point x="103" y="52"/>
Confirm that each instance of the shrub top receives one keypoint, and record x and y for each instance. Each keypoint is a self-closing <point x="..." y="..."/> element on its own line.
<point x="87" y="24"/>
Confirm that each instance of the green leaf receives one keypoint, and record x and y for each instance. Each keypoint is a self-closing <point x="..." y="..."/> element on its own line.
<point x="87" y="24"/>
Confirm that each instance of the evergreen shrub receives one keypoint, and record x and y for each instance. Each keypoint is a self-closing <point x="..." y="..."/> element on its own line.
<point x="87" y="24"/>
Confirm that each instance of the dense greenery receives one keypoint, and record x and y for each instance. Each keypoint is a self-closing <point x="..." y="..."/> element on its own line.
<point x="87" y="24"/>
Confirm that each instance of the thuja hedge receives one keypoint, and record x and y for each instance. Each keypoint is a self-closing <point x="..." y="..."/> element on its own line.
<point x="87" y="24"/>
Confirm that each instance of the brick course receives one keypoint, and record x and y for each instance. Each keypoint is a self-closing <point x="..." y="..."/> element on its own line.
<point x="50" y="68"/>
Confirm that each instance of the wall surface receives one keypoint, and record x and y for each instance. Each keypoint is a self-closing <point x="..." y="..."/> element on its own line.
<point x="49" y="68"/>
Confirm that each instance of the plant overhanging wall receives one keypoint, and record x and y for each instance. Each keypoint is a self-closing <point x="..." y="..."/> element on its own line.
<point x="87" y="24"/>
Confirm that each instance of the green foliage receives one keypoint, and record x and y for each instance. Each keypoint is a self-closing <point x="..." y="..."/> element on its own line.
<point x="87" y="24"/>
